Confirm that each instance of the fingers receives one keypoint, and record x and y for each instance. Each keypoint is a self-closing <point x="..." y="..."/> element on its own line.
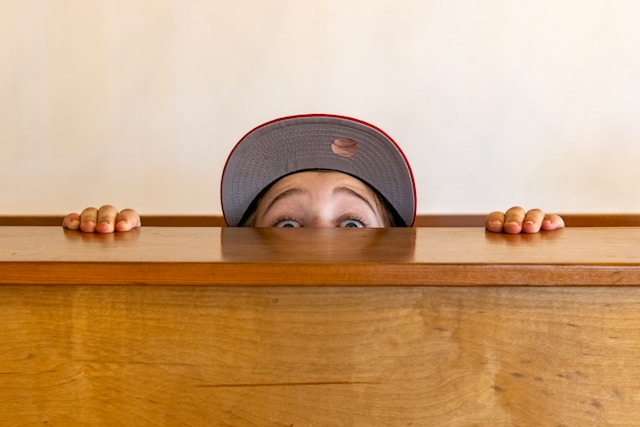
<point x="532" y="221"/>
<point x="98" y="220"/>
<point x="106" y="219"/>
<point x="517" y="220"/>
<point x="127" y="219"/>
<point x="495" y="222"/>
<point x="88" y="219"/>
<point x="513" y="219"/>
<point x="71" y="221"/>
<point x="552" y="222"/>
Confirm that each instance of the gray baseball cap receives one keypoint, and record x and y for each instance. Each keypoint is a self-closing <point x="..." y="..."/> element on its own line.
<point x="316" y="142"/>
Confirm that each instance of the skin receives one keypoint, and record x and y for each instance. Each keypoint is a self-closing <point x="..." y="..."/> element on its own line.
<point x="517" y="220"/>
<point x="106" y="219"/>
<point x="315" y="199"/>
<point x="319" y="199"/>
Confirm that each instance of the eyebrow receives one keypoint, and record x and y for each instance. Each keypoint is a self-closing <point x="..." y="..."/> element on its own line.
<point x="350" y="191"/>
<point x="342" y="189"/>
<point x="286" y="193"/>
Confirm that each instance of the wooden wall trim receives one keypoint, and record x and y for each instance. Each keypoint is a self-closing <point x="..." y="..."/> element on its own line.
<point x="571" y="220"/>
<point x="426" y="220"/>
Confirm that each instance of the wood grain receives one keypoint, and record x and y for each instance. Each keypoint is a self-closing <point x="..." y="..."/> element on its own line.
<point x="313" y="257"/>
<point x="216" y="326"/>
<point x="261" y="356"/>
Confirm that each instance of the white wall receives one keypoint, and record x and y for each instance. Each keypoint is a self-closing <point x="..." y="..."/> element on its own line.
<point x="495" y="102"/>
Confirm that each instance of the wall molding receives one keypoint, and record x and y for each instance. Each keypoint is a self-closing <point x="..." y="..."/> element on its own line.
<point x="426" y="220"/>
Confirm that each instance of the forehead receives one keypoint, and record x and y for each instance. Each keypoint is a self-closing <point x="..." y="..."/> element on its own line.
<point x="320" y="179"/>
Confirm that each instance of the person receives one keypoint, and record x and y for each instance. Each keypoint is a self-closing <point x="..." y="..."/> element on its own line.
<point x="316" y="170"/>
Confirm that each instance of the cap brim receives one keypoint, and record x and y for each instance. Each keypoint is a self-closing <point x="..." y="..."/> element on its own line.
<point x="297" y="143"/>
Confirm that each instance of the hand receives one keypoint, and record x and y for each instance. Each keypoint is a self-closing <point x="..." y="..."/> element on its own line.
<point x="517" y="220"/>
<point x="107" y="219"/>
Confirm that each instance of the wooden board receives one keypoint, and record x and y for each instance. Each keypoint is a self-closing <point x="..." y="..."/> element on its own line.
<point x="215" y="326"/>
<point x="303" y="356"/>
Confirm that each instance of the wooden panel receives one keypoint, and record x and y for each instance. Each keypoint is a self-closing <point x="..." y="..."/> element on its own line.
<point x="261" y="356"/>
<point x="147" y="220"/>
<point x="272" y="327"/>
<point x="423" y="220"/>
<point x="571" y="220"/>
<point x="312" y="257"/>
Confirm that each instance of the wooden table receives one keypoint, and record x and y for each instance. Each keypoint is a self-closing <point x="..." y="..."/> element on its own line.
<point x="222" y="326"/>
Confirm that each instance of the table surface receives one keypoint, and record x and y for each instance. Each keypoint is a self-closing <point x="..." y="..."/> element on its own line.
<point x="248" y="256"/>
<point x="89" y="337"/>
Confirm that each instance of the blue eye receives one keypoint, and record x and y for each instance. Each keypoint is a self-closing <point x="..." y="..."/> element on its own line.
<point x="351" y="223"/>
<point x="287" y="223"/>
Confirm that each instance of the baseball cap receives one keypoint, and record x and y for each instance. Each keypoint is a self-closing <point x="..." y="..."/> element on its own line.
<point x="316" y="142"/>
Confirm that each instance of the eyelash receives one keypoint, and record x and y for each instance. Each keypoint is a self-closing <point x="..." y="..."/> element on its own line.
<point x="284" y="218"/>
<point x="344" y="218"/>
<point x="354" y="218"/>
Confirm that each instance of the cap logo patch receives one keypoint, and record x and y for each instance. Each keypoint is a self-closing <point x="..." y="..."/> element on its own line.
<point x="345" y="147"/>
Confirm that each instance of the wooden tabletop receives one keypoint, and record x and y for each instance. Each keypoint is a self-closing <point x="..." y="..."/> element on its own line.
<point x="246" y="256"/>
<point x="494" y="351"/>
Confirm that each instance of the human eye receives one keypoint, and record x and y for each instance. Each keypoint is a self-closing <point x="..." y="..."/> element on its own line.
<point x="287" y="222"/>
<point x="352" y="223"/>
